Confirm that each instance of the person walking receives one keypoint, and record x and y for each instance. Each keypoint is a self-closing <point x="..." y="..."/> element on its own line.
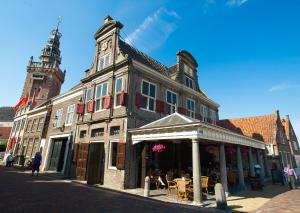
<point x="291" y="176"/>
<point x="9" y="160"/>
<point x="36" y="163"/>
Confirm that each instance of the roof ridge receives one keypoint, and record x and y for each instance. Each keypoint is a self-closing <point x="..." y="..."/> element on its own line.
<point x="249" y="117"/>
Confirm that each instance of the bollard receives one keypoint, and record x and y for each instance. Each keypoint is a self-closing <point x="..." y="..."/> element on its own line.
<point x="147" y="187"/>
<point x="220" y="197"/>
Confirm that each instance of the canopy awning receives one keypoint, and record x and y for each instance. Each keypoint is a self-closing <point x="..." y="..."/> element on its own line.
<point x="177" y="126"/>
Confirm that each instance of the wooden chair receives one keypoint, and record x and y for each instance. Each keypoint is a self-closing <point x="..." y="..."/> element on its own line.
<point x="183" y="189"/>
<point x="170" y="184"/>
<point x="204" y="183"/>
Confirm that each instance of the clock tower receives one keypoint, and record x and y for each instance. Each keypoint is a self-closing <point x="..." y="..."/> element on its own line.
<point x="44" y="77"/>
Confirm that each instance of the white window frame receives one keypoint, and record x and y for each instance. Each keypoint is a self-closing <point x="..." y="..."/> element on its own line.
<point x="70" y="115"/>
<point x="213" y="116"/>
<point x="101" y="98"/>
<point x="118" y="92"/>
<point x="58" y="117"/>
<point x="110" y="155"/>
<point x="85" y="99"/>
<point x="188" y="111"/>
<point x="203" y="112"/>
<point x="148" y="96"/>
<point x="173" y="106"/>
<point x="106" y="61"/>
<point x="190" y="82"/>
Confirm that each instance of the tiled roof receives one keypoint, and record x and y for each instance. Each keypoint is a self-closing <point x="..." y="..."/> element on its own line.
<point x="7" y="114"/>
<point x="259" y="127"/>
<point x="141" y="57"/>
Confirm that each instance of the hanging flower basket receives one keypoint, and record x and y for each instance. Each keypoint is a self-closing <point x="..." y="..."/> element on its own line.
<point x="158" y="148"/>
<point x="231" y="150"/>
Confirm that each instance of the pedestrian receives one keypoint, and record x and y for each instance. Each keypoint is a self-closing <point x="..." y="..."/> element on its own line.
<point x="36" y="163"/>
<point x="291" y="176"/>
<point x="9" y="160"/>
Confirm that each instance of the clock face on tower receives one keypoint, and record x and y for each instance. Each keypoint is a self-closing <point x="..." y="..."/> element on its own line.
<point x="104" y="46"/>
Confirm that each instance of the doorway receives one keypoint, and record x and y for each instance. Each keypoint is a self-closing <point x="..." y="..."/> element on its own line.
<point x="95" y="168"/>
<point x="56" y="162"/>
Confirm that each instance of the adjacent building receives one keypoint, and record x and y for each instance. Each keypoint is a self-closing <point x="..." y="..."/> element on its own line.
<point x="6" y="124"/>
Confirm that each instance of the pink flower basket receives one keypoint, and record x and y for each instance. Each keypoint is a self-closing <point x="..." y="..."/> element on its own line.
<point x="158" y="148"/>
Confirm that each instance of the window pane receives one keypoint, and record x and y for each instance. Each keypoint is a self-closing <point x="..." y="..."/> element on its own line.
<point x="98" y="91"/>
<point x="144" y="102"/>
<point x="114" y="154"/>
<point x="104" y="89"/>
<point x="169" y="97"/>
<point x="119" y="85"/>
<point x="97" y="107"/>
<point x="145" y="88"/>
<point x="174" y="98"/>
<point x="152" y="90"/>
<point x="88" y="95"/>
<point x="151" y="104"/>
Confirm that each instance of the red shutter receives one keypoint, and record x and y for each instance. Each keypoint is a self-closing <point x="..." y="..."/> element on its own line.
<point x="107" y="102"/>
<point x="90" y="105"/>
<point x="138" y="99"/>
<point x="121" y="156"/>
<point x="80" y="108"/>
<point x="160" y="106"/>
<point x="122" y="98"/>
<point x="182" y="110"/>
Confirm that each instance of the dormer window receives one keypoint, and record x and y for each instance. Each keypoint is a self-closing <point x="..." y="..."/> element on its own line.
<point x="104" y="61"/>
<point x="188" y="82"/>
<point x="188" y="70"/>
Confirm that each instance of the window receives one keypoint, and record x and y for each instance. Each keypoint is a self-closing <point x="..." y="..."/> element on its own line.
<point x="101" y="92"/>
<point x="70" y="114"/>
<point x="190" y="108"/>
<point x="118" y="90"/>
<point x="203" y="112"/>
<point x="149" y="94"/>
<point x="41" y="124"/>
<point x="22" y="124"/>
<point x="188" y="70"/>
<point x="113" y="148"/>
<point x="213" y="116"/>
<point x="114" y="130"/>
<point x="82" y="133"/>
<point x="171" y="99"/>
<point x="34" y="125"/>
<point x="58" y="116"/>
<point x="103" y="61"/>
<point x="295" y="145"/>
<point x="28" y="126"/>
<point x="97" y="132"/>
<point x="188" y="82"/>
<point x="88" y="97"/>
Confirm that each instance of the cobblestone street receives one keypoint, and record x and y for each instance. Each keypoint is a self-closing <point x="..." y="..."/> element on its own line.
<point x="22" y="193"/>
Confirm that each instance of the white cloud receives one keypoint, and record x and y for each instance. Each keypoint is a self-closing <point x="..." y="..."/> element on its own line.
<point x="235" y="3"/>
<point x="154" y="30"/>
<point x="283" y="86"/>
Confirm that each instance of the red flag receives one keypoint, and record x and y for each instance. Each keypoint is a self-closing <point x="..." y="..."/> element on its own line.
<point x="12" y="143"/>
<point x="22" y="102"/>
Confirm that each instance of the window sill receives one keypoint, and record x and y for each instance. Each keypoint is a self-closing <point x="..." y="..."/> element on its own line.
<point x="112" y="168"/>
<point x="147" y="110"/>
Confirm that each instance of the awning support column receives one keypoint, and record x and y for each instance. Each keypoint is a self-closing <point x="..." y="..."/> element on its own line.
<point x="223" y="170"/>
<point x="196" y="173"/>
<point x="252" y="174"/>
<point x="240" y="167"/>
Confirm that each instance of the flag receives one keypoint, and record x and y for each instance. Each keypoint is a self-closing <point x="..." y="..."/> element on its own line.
<point x="22" y="102"/>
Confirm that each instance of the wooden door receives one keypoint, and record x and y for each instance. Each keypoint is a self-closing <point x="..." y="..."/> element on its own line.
<point x="61" y="158"/>
<point x="55" y="154"/>
<point x="95" y="169"/>
<point x="82" y="159"/>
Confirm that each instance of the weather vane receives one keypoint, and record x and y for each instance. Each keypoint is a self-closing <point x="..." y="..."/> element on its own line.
<point x="58" y="22"/>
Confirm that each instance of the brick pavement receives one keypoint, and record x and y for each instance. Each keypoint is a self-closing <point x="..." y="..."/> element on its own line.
<point x="19" y="192"/>
<point x="288" y="202"/>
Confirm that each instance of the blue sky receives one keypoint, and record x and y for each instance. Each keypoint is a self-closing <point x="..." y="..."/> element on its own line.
<point x="248" y="51"/>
